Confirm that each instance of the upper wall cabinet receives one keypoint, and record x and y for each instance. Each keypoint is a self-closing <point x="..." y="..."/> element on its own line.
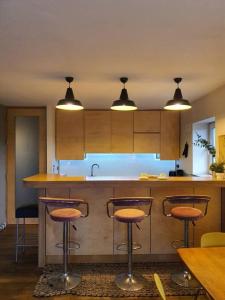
<point x="69" y="126"/>
<point x="147" y="121"/>
<point x="170" y="135"/>
<point x="122" y="132"/>
<point x="97" y="131"/>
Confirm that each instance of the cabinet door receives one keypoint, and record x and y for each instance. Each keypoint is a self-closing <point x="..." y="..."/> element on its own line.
<point x="97" y="131"/>
<point x="170" y="135"/>
<point x="122" y="132"/>
<point x="69" y="134"/>
<point x="147" y="121"/>
<point x="146" y="142"/>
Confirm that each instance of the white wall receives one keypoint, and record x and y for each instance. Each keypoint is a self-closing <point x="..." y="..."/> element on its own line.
<point x="212" y="105"/>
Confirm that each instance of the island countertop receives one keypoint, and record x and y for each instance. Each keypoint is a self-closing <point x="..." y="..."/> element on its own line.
<point x="43" y="180"/>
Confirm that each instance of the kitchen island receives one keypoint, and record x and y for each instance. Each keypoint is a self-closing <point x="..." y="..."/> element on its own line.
<point x="99" y="235"/>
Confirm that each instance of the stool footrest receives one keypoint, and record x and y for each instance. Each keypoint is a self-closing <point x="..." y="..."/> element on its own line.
<point x="124" y="246"/>
<point x="180" y="244"/>
<point x="72" y="245"/>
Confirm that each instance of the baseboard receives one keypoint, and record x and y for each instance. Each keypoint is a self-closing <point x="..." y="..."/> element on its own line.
<point x="57" y="259"/>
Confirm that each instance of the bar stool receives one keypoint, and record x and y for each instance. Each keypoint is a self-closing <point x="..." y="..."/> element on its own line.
<point x="24" y="212"/>
<point x="186" y="214"/>
<point x="65" y="213"/>
<point x="129" y="281"/>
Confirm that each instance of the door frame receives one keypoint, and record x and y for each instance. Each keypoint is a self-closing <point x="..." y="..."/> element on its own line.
<point x="12" y="113"/>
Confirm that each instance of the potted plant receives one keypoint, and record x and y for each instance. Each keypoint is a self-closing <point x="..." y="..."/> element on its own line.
<point x="203" y="143"/>
<point x="218" y="169"/>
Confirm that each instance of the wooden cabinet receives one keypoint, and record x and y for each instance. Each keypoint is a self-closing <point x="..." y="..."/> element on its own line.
<point x="170" y="135"/>
<point x="122" y="132"/>
<point x="97" y="131"/>
<point x="69" y="127"/>
<point x="147" y="121"/>
<point x="146" y="142"/>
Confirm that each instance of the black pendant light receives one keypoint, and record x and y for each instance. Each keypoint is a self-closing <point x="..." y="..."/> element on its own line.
<point x="124" y="103"/>
<point x="178" y="102"/>
<point x="69" y="102"/>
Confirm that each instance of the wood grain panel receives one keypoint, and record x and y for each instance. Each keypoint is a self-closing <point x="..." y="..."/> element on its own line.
<point x="94" y="233"/>
<point x="207" y="265"/>
<point x="170" y="135"/>
<point x="166" y="229"/>
<point x="97" y="131"/>
<point x="120" y="229"/>
<point x="212" y="221"/>
<point x="122" y="132"/>
<point x="69" y="139"/>
<point x="147" y="121"/>
<point x="146" y="142"/>
<point x="221" y="142"/>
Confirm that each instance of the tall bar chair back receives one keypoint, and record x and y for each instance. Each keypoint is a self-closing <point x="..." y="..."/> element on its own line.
<point x="65" y="211"/>
<point x="183" y="208"/>
<point x="129" y="215"/>
<point x="24" y="212"/>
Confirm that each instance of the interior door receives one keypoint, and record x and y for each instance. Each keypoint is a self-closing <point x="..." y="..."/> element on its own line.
<point x="26" y="155"/>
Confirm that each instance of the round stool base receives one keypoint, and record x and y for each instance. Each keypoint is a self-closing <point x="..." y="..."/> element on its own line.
<point x="64" y="281"/>
<point x="130" y="282"/>
<point x="185" y="279"/>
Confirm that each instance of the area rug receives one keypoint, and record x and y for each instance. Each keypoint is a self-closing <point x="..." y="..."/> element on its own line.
<point x="98" y="280"/>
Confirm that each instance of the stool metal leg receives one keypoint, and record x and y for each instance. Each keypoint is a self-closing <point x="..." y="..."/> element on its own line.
<point x="128" y="281"/>
<point x="17" y="238"/>
<point x="184" y="278"/>
<point x="67" y="280"/>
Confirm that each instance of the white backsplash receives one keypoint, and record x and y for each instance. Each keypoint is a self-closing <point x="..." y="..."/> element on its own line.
<point x="116" y="165"/>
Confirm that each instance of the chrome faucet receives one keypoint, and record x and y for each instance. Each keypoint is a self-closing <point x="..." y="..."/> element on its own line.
<point x="92" y="169"/>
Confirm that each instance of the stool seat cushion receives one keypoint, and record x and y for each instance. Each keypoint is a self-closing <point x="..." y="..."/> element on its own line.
<point x="65" y="214"/>
<point x="186" y="213"/>
<point x="29" y="211"/>
<point x="129" y="215"/>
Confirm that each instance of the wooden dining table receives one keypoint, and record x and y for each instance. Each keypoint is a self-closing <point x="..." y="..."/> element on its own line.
<point x="208" y="267"/>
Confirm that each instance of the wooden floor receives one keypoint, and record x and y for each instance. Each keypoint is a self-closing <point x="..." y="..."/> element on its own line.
<point x="17" y="281"/>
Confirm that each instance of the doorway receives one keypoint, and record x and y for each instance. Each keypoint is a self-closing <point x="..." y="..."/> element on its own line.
<point x="26" y="155"/>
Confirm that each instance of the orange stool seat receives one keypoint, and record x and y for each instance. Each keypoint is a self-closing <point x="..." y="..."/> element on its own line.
<point x="186" y="213"/>
<point x="65" y="214"/>
<point x="129" y="215"/>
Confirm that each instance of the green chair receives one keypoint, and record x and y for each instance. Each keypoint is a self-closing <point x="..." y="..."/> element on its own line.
<point x="160" y="287"/>
<point x="213" y="239"/>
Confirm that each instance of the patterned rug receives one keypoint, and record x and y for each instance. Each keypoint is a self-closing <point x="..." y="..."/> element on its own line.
<point x="98" y="280"/>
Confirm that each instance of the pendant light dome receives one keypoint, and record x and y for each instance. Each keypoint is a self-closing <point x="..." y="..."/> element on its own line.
<point x="123" y="103"/>
<point x="178" y="102"/>
<point x="69" y="102"/>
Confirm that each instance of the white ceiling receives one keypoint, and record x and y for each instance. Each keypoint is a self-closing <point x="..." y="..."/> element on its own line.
<point x="97" y="41"/>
